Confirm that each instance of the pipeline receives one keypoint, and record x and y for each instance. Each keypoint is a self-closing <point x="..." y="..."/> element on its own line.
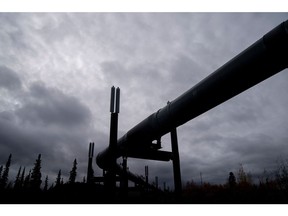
<point x="263" y="59"/>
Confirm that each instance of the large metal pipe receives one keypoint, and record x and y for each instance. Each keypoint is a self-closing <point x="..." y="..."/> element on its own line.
<point x="263" y="59"/>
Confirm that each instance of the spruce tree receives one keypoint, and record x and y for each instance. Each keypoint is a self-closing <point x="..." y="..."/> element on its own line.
<point x="232" y="180"/>
<point x="4" y="178"/>
<point x="36" y="174"/>
<point x="17" y="180"/>
<point x="1" y="169"/>
<point x="27" y="180"/>
<point x="51" y="187"/>
<point x="22" y="178"/>
<point x="9" y="185"/>
<point x="58" y="179"/>
<point x="73" y="173"/>
<point x="46" y="184"/>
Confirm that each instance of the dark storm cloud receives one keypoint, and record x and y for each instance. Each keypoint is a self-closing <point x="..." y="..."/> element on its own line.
<point x="50" y="107"/>
<point x="9" y="79"/>
<point x="49" y="122"/>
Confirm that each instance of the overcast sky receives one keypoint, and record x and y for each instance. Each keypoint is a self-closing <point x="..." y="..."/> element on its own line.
<point x="56" y="71"/>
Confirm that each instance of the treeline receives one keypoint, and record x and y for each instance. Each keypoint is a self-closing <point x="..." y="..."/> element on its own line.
<point x="271" y="188"/>
<point x="29" y="188"/>
<point x="26" y="188"/>
<point x="32" y="180"/>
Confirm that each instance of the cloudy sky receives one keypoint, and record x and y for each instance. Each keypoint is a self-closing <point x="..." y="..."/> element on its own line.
<point x="56" y="71"/>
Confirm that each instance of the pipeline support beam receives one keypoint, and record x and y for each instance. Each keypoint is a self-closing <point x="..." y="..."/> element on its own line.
<point x="176" y="163"/>
<point x="110" y="177"/>
<point x="90" y="172"/>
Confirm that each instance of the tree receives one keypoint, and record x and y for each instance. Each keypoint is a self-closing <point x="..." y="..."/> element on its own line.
<point x="22" y="178"/>
<point x="27" y="180"/>
<point x="51" y="187"/>
<point x="17" y="180"/>
<point x="73" y="173"/>
<point x="36" y="174"/>
<point x="4" y="178"/>
<point x="281" y="175"/>
<point x="244" y="179"/>
<point x="1" y="169"/>
<point x="46" y="184"/>
<point x="58" y="179"/>
<point x="232" y="180"/>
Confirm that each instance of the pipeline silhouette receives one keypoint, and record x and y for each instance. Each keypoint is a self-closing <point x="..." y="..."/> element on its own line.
<point x="263" y="59"/>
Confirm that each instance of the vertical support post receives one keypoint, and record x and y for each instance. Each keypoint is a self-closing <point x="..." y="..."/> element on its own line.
<point x="90" y="172"/>
<point x="112" y="99"/>
<point x="146" y="176"/>
<point x="176" y="163"/>
<point x="110" y="182"/>
<point x="124" y="178"/>
<point x="156" y="182"/>
<point x="117" y="105"/>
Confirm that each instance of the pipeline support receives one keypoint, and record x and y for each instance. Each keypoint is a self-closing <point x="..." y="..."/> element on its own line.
<point x="176" y="162"/>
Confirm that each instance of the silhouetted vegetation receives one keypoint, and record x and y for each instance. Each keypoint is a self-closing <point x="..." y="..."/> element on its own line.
<point x="242" y="190"/>
<point x="58" y="179"/>
<point x="73" y="173"/>
<point x="26" y="188"/>
<point x="36" y="175"/>
<point x="18" y="183"/>
<point x="46" y="184"/>
<point x="4" y="176"/>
